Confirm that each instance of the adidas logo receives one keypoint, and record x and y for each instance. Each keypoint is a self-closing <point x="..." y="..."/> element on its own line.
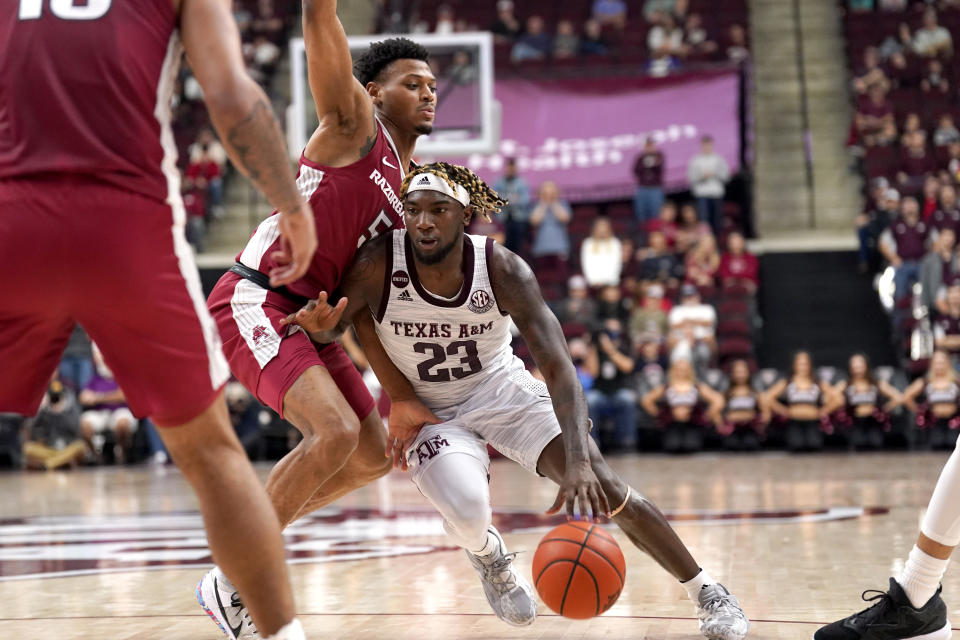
<point x="404" y="296"/>
<point x="424" y="180"/>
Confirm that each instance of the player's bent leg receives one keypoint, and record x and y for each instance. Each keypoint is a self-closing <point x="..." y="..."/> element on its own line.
<point x="719" y="613"/>
<point x="330" y="428"/>
<point x="242" y="528"/>
<point x="368" y="462"/>
<point x="455" y="483"/>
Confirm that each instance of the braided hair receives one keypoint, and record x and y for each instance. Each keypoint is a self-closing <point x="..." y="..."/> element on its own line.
<point x="379" y="55"/>
<point x="481" y="195"/>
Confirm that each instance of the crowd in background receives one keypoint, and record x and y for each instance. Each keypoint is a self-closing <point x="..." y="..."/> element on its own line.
<point x="660" y="36"/>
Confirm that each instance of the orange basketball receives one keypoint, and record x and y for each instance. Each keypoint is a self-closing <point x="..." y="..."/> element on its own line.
<point x="578" y="570"/>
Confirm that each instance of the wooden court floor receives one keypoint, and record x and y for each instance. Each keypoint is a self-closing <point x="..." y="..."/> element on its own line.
<point x="116" y="553"/>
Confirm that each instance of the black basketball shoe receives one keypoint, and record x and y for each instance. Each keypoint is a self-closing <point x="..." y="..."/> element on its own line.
<point x="892" y="617"/>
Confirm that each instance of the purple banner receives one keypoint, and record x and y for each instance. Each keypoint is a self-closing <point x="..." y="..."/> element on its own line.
<point x="585" y="135"/>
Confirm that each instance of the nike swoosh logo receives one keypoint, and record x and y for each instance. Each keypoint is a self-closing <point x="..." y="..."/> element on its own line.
<point x="387" y="162"/>
<point x="226" y="619"/>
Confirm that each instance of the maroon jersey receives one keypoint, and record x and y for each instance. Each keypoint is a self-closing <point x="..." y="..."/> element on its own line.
<point x="946" y="219"/>
<point x="351" y="205"/>
<point x="85" y="88"/>
<point x="911" y="241"/>
<point x="648" y="169"/>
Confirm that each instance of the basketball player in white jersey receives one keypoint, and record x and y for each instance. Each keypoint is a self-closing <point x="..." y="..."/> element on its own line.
<point x="442" y="302"/>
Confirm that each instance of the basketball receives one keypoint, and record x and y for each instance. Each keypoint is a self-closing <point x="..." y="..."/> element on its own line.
<point x="579" y="570"/>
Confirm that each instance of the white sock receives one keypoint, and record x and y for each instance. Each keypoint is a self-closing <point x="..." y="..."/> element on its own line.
<point x="291" y="631"/>
<point x="921" y="576"/>
<point x="697" y="582"/>
<point x="492" y="544"/>
<point x="223" y="580"/>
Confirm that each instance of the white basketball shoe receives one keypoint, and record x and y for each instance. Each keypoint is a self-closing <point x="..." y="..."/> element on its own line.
<point x="509" y="594"/>
<point x="720" y="615"/>
<point x="222" y="603"/>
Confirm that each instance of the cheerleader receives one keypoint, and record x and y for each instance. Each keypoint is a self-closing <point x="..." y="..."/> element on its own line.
<point x="939" y="400"/>
<point x="688" y="405"/>
<point x="866" y="420"/>
<point x="743" y="418"/>
<point x="804" y="405"/>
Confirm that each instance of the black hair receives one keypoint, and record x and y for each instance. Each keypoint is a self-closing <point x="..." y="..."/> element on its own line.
<point x="379" y="55"/>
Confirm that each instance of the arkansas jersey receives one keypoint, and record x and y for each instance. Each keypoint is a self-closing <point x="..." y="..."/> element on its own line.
<point x="85" y="88"/>
<point x="351" y="205"/>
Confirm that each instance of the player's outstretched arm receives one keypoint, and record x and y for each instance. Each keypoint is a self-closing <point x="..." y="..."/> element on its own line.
<point x="244" y="119"/>
<point x="518" y="294"/>
<point x="360" y="290"/>
<point x="343" y="106"/>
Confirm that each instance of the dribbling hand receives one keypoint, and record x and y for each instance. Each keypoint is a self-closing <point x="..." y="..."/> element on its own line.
<point x="580" y="485"/>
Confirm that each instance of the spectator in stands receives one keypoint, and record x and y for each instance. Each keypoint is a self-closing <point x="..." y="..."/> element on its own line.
<point x="892" y="5"/>
<point x="593" y="43"/>
<point x="578" y="307"/>
<point x="690" y="228"/>
<point x="666" y="223"/>
<point x="946" y="131"/>
<point x="445" y="20"/>
<point x="76" y="364"/>
<point x="566" y="44"/>
<point x="665" y="38"/>
<point x="911" y="124"/>
<point x="871" y="225"/>
<point x="902" y="72"/>
<point x="507" y="27"/>
<point x="888" y="135"/>
<point x="743" y="418"/>
<point x="935" y="81"/>
<point x="692" y="329"/>
<point x="708" y="173"/>
<point x="952" y="172"/>
<point x="661" y="64"/>
<point x="580" y="354"/>
<point x="916" y="161"/>
<point x="601" y="256"/>
<point x="534" y="44"/>
<point x="659" y="264"/>
<point x="244" y="413"/>
<point x="869" y="72"/>
<point x="549" y="220"/>
<point x="737" y="50"/>
<point x="937" y="415"/>
<point x="105" y="411"/>
<point x="862" y="395"/>
<point x="52" y="438"/>
<point x="702" y="263"/>
<point x="931" y="198"/>
<point x="648" y="171"/>
<point x="516" y="213"/>
<point x="947" y="215"/>
<point x="610" y="12"/>
<point x="939" y="261"/>
<point x="266" y="23"/>
<point x="872" y="114"/>
<point x="265" y="56"/>
<point x="737" y="265"/>
<point x="806" y="404"/>
<point x="932" y="40"/>
<point x="650" y="364"/>
<point x="683" y="398"/>
<point x="462" y="71"/>
<point x="611" y="304"/>
<point x="696" y="42"/>
<point x="653" y="10"/>
<point x="610" y="397"/>
<point x="205" y="171"/>
<point x="648" y="321"/>
<point x="946" y="328"/>
<point x="903" y="244"/>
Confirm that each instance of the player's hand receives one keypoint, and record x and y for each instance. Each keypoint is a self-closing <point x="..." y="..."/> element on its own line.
<point x="298" y="243"/>
<point x="317" y="316"/>
<point x="406" y="419"/>
<point x="580" y="486"/>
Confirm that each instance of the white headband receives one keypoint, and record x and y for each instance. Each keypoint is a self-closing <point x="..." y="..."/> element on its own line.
<point x="431" y="182"/>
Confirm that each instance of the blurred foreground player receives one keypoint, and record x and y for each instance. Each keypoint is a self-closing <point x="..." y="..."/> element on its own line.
<point x="442" y="302"/>
<point x="92" y="232"/>
<point x="370" y="115"/>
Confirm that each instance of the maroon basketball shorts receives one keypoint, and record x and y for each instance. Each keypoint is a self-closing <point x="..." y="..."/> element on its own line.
<point x="268" y="358"/>
<point x="77" y="251"/>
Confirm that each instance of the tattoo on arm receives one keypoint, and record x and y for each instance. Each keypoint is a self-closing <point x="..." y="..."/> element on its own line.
<point x="259" y="151"/>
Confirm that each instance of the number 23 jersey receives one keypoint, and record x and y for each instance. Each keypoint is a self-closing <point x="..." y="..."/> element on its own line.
<point x="447" y="348"/>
